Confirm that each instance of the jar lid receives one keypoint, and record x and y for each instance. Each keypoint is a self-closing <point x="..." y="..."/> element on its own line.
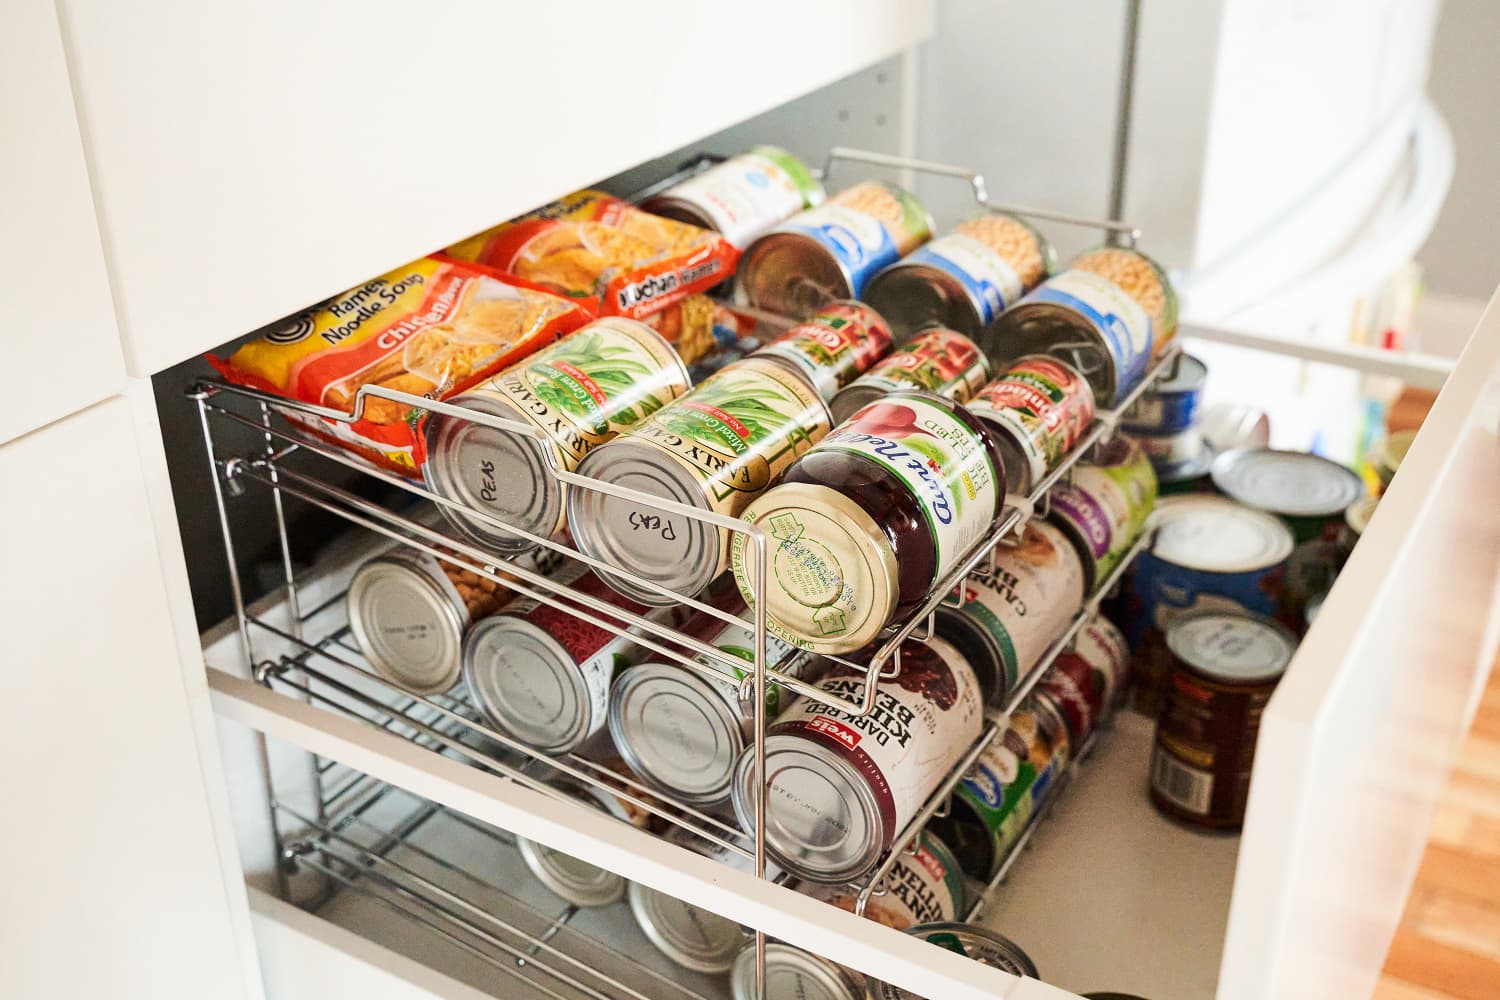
<point x="1290" y="483"/>
<point x="1231" y="646"/>
<point x="1216" y="535"/>
<point x="692" y="937"/>
<point x="834" y="576"/>
<point x="407" y="623"/>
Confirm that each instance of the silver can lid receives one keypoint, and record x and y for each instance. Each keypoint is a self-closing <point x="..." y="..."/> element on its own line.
<point x="676" y="731"/>
<point x="691" y="936"/>
<point x="576" y="881"/>
<point x="791" y="972"/>
<point x="1230" y="646"/>
<point x="1290" y="483"/>
<point x="498" y="473"/>
<point x="824" y="823"/>
<point x="1216" y="535"/>
<point x="679" y="553"/>
<point x="527" y="684"/>
<point x="1189" y="377"/>
<point x="407" y="624"/>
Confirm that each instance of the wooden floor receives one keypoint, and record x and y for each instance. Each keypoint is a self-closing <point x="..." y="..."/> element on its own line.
<point x="1448" y="945"/>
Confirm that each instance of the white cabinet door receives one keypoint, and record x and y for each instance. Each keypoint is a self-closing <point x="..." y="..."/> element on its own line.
<point x="111" y="854"/>
<point x="59" y="338"/>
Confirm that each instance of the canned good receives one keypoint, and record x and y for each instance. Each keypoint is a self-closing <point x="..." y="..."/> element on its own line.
<point x="1069" y="687"/>
<point x="742" y="197"/>
<point x="1357" y="519"/>
<point x="792" y="972"/>
<point x="1171" y="451"/>
<point x="936" y="360"/>
<point x="573" y="879"/>
<point x="1390" y="454"/>
<point x="541" y="674"/>
<point x="1227" y="426"/>
<point x="693" y="937"/>
<point x="993" y="804"/>
<point x="843" y="785"/>
<point x="1191" y="476"/>
<point x="1016" y="607"/>
<point x="867" y="521"/>
<point x="1225" y="665"/>
<point x="965" y="279"/>
<point x="579" y="393"/>
<point x="1102" y="646"/>
<point x="1106" y="314"/>
<point x="682" y="730"/>
<point x="1040" y="408"/>
<point x="1171" y="406"/>
<point x="408" y="611"/>
<point x="1208" y="553"/>
<point x="717" y="448"/>
<point x="1309" y="492"/>
<point x="832" y="348"/>
<point x="1105" y="506"/>
<point x="832" y="251"/>
<point x="978" y="943"/>
<point x="923" y="886"/>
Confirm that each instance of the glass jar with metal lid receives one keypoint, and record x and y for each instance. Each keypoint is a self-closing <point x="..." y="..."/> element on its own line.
<point x="1310" y="493"/>
<point x="978" y="943"/>
<point x="792" y="972"/>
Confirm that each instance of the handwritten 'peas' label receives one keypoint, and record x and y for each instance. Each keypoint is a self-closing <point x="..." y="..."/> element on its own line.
<point x="940" y="360"/>
<point x="1121" y="322"/>
<point x="938" y="458"/>
<point x="833" y="347"/>
<point x="988" y="276"/>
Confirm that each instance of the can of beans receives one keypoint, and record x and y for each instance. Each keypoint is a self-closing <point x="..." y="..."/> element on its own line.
<point x="1225" y="666"/>
<point x="1189" y="476"/>
<point x="832" y="251"/>
<point x="1040" y="408"/>
<point x="792" y="972"/>
<point x="408" y="611"/>
<point x="833" y="347"/>
<point x="570" y="878"/>
<point x="689" y="935"/>
<point x="924" y="885"/>
<point x="1171" y="406"/>
<point x="682" y="730"/>
<point x="964" y="279"/>
<point x="1106" y="314"/>
<point x="1013" y="610"/>
<point x="1105" y="506"/>
<point x="717" y="449"/>
<point x="1308" y="492"/>
<point x="579" y="393"/>
<point x="935" y="360"/>
<point x="977" y="943"/>
<point x="1102" y="646"/>
<point x="843" y="785"/>
<point x="541" y="674"/>
<point x="993" y="804"/>
<point x="742" y="197"/>
<point x="1071" y="689"/>
<point x="1208" y="553"/>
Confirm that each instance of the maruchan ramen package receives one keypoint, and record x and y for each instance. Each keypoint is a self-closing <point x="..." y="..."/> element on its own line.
<point x="432" y="328"/>
<point x="605" y="253"/>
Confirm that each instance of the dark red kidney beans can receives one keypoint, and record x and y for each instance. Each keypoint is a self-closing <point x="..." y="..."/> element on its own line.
<point x="1074" y="692"/>
<point x="1224" y="666"/>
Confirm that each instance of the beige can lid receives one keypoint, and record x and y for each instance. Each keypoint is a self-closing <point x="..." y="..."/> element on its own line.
<point x="833" y="575"/>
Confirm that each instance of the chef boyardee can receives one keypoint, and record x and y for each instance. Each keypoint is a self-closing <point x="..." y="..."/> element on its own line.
<point x="1309" y="492"/>
<point x="579" y="393"/>
<point x="542" y="675"/>
<point x="1013" y="611"/>
<point x="1208" y="552"/>
<point x="1225" y="666"/>
<point x="966" y="278"/>
<point x="841" y="785"/>
<point x="742" y="197"/>
<point x="1040" y="407"/>
<point x="832" y="251"/>
<point x="925" y="885"/>
<point x="977" y="943"/>
<point x="936" y="360"/>
<point x="792" y="972"/>
<point x="717" y="448"/>
<point x="832" y="347"/>
<point x="1105" y="506"/>
<point x="998" y="796"/>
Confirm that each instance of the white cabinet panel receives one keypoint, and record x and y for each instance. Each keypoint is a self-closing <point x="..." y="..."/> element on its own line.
<point x="59" y="336"/>
<point x="113" y="877"/>
<point x="249" y="164"/>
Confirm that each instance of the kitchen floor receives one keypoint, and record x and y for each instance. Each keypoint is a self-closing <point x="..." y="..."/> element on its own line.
<point x="1448" y="944"/>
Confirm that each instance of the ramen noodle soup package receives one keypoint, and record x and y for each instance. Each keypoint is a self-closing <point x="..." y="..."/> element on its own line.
<point x="432" y="328"/>
<point x="605" y="253"/>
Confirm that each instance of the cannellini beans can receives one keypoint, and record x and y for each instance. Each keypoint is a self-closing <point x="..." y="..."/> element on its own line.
<point x="936" y="360"/>
<point x="923" y="886"/>
<point x="578" y="393"/>
<point x="1040" y="407"/>
<point x="1105" y="506"/>
<point x="843" y="785"/>
<point x="742" y="197"/>
<point x="833" y="347"/>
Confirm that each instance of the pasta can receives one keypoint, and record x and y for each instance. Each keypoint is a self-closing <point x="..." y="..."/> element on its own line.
<point x="833" y="347"/>
<point x="1225" y="666"/>
<point x="578" y="394"/>
<point x="842" y="785"/>
<point x="832" y="251"/>
<point x="966" y="278"/>
<point x="742" y="197"/>
<point x="936" y="360"/>
<point x="716" y="448"/>
<point x="1105" y="506"/>
<point x="1040" y="407"/>
<point x="924" y="885"/>
<point x="977" y="943"/>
